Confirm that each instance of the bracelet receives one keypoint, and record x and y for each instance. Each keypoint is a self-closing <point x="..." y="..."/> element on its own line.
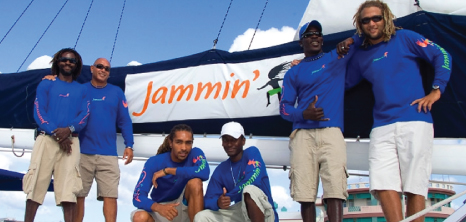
<point x="165" y="172"/>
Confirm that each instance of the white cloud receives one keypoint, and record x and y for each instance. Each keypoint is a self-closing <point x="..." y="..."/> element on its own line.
<point x="281" y="196"/>
<point x="4" y="162"/>
<point x="42" y="62"/>
<point x="134" y="63"/>
<point x="262" y="39"/>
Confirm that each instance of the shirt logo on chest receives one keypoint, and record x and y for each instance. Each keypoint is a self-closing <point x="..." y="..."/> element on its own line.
<point x="385" y="55"/>
<point x="98" y="100"/>
<point x="321" y="68"/>
<point x="64" y="95"/>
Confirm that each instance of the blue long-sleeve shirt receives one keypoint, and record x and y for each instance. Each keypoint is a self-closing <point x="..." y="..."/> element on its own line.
<point x="392" y="69"/>
<point x="109" y="109"/>
<point x="60" y="104"/>
<point x="170" y="186"/>
<point x="323" y="77"/>
<point x="250" y="170"/>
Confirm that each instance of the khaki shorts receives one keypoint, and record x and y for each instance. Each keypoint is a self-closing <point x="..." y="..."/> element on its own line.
<point x="400" y="157"/>
<point x="238" y="212"/>
<point x="47" y="158"/>
<point x="181" y="208"/>
<point x="317" y="152"/>
<point x="106" y="172"/>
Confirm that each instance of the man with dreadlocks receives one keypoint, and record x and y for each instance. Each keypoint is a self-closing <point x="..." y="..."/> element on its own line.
<point x="176" y="173"/>
<point x="60" y="110"/>
<point x="402" y="135"/>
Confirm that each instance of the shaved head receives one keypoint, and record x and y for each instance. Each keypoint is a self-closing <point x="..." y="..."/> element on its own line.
<point x="100" y="72"/>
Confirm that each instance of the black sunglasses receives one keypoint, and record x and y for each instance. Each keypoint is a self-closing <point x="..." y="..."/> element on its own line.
<point x="376" y="18"/>
<point x="100" y="66"/>
<point x="64" y="59"/>
<point x="309" y="34"/>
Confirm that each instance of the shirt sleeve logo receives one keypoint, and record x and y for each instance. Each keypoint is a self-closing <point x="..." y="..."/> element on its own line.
<point x="255" y="164"/>
<point x="125" y="104"/>
<point x="424" y="43"/>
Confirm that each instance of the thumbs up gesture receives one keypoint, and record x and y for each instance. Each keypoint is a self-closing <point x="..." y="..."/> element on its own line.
<point x="224" y="201"/>
<point x="314" y="113"/>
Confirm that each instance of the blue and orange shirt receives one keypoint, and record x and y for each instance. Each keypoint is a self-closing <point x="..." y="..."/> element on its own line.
<point x="109" y="109"/>
<point x="170" y="186"/>
<point x="393" y="70"/>
<point x="60" y="104"/>
<point x="234" y="176"/>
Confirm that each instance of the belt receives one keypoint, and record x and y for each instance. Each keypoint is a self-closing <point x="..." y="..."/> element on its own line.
<point x="45" y="133"/>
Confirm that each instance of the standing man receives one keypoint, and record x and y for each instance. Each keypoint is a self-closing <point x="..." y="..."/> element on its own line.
<point x="61" y="111"/>
<point x="242" y="180"/>
<point x="99" y="158"/>
<point x="176" y="173"/>
<point x="317" y="144"/>
<point x="402" y="135"/>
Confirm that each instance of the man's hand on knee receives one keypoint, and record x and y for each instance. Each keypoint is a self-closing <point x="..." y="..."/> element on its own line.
<point x="168" y="211"/>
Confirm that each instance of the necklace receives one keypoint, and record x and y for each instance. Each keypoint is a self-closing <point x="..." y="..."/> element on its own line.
<point x="98" y="87"/>
<point x="315" y="58"/>
<point x="232" y="176"/>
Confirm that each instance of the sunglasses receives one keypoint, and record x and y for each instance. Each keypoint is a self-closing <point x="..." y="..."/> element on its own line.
<point x="65" y="59"/>
<point x="376" y="18"/>
<point x="309" y="34"/>
<point x="100" y="66"/>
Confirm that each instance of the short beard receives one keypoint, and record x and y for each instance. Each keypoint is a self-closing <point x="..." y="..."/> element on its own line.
<point x="368" y="36"/>
<point x="65" y="73"/>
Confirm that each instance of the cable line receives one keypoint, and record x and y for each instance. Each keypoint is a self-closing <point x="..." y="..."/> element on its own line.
<point x="116" y="35"/>
<point x="263" y="10"/>
<point x="219" y="31"/>
<point x="42" y="35"/>
<point x="16" y="22"/>
<point x="84" y="22"/>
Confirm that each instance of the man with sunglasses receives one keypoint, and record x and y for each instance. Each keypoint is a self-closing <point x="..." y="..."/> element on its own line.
<point x="402" y="135"/>
<point x="317" y="145"/>
<point x="61" y="109"/>
<point x="99" y="158"/>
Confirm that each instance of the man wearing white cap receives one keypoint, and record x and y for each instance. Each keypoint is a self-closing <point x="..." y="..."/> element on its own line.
<point x="239" y="189"/>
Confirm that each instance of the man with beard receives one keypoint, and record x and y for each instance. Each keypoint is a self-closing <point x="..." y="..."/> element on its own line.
<point x="317" y="144"/>
<point x="402" y="135"/>
<point x="99" y="158"/>
<point x="175" y="176"/>
<point x="61" y="111"/>
<point x="242" y="180"/>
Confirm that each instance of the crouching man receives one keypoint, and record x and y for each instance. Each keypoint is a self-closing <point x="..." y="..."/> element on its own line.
<point x="176" y="172"/>
<point x="239" y="189"/>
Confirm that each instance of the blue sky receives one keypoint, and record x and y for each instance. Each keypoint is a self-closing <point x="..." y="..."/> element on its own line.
<point x="150" y="31"/>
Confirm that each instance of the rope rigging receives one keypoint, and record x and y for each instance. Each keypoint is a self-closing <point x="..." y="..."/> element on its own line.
<point x="42" y="35"/>
<point x="116" y="35"/>
<point x="16" y="21"/>
<point x="219" y="31"/>
<point x="82" y="27"/>
<point x="263" y="10"/>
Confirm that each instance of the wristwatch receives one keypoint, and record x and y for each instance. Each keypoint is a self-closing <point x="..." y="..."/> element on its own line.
<point x="435" y="87"/>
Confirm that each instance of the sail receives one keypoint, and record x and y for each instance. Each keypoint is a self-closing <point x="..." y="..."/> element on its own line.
<point x="337" y="16"/>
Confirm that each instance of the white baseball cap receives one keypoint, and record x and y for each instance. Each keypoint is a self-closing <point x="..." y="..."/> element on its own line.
<point x="233" y="129"/>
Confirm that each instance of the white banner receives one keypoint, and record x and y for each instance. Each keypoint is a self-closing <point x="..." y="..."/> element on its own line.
<point x="214" y="91"/>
